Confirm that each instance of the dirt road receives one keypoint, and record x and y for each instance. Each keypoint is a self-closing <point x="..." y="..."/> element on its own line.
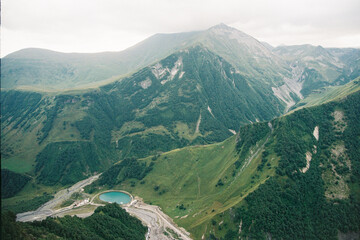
<point x="48" y="208"/>
<point x="156" y="220"/>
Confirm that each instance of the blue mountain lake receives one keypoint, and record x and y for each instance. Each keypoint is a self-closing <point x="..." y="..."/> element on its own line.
<point x="118" y="197"/>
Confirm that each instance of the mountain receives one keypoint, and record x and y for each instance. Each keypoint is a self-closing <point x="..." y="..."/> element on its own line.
<point x="211" y="83"/>
<point x="315" y="67"/>
<point x="195" y="125"/>
<point x="335" y="66"/>
<point x="49" y="70"/>
<point x="327" y="94"/>
<point x="293" y="177"/>
<point x="191" y="97"/>
<point x="45" y="69"/>
<point x="290" y="72"/>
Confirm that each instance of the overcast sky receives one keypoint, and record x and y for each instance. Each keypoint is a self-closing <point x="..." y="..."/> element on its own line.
<point x="113" y="25"/>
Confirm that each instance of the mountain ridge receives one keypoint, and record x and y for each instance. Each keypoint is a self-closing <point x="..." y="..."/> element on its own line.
<point x="247" y="54"/>
<point x="195" y="126"/>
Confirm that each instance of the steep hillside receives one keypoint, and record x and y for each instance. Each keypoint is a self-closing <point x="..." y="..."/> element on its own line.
<point x="351" y="58"/>
<point x="191" y="97"/>
<point x="248" y="55"/>
<point x="268" y="180"/>
<point x="12" y="183"/>
<point x="39" y="137"/>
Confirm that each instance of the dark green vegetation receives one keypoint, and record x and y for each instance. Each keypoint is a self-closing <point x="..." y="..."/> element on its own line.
<point x="129" y="168"/>
<point x="28" y="133"/>
<point x="66" y="162"/>
<point x="12" y="183"/>
<point x="108" y="222"/>
<point x="297" y="205"/>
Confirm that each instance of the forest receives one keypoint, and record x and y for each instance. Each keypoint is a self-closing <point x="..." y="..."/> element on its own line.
<point x="293" y="204"/>
<point x="126" y="169"/>
<point x="12" y="183"/>
<point x="107" y="222"/>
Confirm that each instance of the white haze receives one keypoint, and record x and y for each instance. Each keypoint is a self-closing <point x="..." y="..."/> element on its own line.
<point x="113" y="25"/>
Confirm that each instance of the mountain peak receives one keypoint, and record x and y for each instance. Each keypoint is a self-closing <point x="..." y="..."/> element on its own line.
<point x="222" y="26"/>
<point x="225" y="29"/>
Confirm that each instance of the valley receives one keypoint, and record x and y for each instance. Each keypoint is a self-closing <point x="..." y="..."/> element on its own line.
<point x="215" y="134"/>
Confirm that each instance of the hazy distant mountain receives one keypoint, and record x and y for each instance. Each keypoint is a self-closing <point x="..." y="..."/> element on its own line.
<point x="45" y="69"/>
<point x="291" y="72"/>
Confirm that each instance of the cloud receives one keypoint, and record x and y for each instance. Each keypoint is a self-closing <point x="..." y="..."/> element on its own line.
<point x="98" y="25"/>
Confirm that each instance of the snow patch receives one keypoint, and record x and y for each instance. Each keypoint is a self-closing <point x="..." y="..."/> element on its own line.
<point x="316" y="133"/>
<point x="240" y="226"/>
<point x="232" y="131"/>
<point x="165" y="74"/>
<point x="198" y="124"/>
<point x="308" y="160"/>
<point x="176" y="68"/>
<point x="146" y="83"/>
<point x="315" y="149"/>
<point x="209" y="109"/>
<point x="158" y="71"/>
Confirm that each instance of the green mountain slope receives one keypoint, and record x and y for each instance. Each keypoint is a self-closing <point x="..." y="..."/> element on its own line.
<point x="207" y="87"/>
<point x="191" y="97"/>
<point x="12" y="183"/>
<point x="297" y="177"/>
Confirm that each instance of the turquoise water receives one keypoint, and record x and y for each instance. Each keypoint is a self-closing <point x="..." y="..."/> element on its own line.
<point x="118" y="197"/>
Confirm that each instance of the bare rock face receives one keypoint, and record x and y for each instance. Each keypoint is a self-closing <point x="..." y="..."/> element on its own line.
<point x="146" y="83"/>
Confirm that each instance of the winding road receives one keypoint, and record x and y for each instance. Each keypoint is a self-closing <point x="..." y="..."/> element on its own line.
<point x="47" y="209"/>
